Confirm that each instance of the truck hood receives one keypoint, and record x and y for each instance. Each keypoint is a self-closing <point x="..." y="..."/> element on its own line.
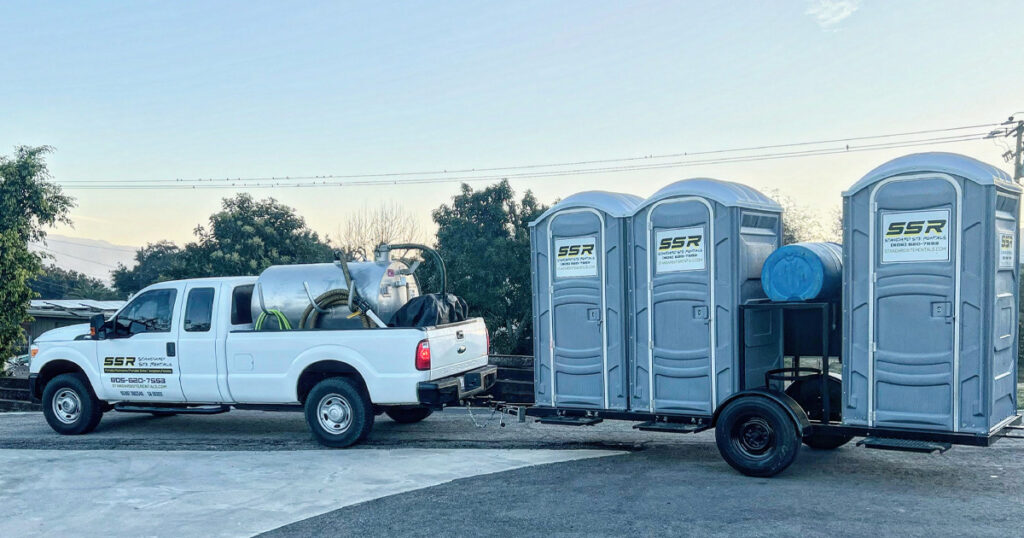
<point x="63" y="334"/>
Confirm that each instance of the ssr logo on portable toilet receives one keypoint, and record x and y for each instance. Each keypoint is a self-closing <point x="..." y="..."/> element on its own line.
<point x="915" y="236"/>
<point x="576" y="257"/>
<point x="679" y="249"/>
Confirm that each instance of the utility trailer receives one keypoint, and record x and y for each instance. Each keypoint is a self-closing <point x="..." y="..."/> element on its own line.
<point x="925" y="328"/>
<point x="759" y="429"/>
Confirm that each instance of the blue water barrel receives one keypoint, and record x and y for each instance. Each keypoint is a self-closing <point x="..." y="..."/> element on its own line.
<point x="804" y="272"/>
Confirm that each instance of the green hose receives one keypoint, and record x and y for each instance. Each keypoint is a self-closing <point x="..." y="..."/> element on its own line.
<point x="327" y="300"/>
<point x="282" y="321"/>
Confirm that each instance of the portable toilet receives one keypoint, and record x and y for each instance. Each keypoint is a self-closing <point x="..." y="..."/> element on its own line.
<point x="578" y="270"/>
<point x="697" y="250"/>
<point x="930" y="298"/>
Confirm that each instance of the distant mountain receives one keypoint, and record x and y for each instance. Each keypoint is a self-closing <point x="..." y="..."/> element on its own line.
<point x="93" y="257"/>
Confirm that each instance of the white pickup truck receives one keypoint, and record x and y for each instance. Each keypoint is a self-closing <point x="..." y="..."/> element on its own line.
<point x="190" y="346"/>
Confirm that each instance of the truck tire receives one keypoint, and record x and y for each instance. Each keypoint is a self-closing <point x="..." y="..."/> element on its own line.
<point x="339" y="412"/>
<point x="408" y="415"/>
<point x="69" y="405"/>
<point x="756" y="436"/>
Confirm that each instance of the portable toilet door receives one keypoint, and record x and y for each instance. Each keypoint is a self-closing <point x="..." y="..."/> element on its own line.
<point x="697" y="250"/>
<point x="578" y="265"/>
<point x="931" y="295"/>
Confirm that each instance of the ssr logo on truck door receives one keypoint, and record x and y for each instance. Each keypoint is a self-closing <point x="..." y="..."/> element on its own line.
<point x="679" y="249"/>
<point x="915" y="236"/>
<point x="136" y="365"/>
<point x="118" y="361"/>
<point x="576" y="257"/>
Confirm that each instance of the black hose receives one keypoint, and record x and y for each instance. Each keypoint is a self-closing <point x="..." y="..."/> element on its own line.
<point x="434" y="254"/>
<point x="327" y="300"/>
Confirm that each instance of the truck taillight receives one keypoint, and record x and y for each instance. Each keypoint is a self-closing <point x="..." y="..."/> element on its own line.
<point x="423" y="355"/>
<point x="488" y="333"/>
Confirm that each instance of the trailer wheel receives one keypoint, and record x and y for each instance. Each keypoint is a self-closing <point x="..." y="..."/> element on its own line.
<point x="69" y="405"/>
<point x="407" y="415"/>
<point x="339" y="412"/>
<point x="807" y="393"/>
<point x="756" y="436"/>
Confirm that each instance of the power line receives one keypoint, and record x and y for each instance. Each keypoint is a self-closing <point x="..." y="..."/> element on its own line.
<point x="73" y="256"/>
<point x="547" y="174"/>
<point x="531" y="166"/>
<point x="100" y="247"/>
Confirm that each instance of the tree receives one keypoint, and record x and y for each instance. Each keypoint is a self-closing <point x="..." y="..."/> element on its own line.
<point x="58" y="283"/>
<point x="801" y="223"/>
<point x="244" y="238"/>
<point x="153" y="263"/>
<point x="365" y="229"/>
<point x="484" y="239"/>
<point x="29" y="203"/>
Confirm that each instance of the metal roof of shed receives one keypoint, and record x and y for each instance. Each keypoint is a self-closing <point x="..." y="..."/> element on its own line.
<point x="616" y="204"/>
<point x="949" y="163"/>
<point x="727" y="193"/>
<point x="71" y="308"/>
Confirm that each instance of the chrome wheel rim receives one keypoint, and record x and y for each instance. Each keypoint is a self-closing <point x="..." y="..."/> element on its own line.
<point x="334" y="413"/>
<point x="67" y="406"/>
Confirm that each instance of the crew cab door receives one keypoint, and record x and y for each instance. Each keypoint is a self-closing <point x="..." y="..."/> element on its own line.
<point x="197" y="344"/>
<point x="139" y="361"/>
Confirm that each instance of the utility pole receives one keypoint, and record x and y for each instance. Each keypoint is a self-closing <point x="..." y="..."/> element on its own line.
<point x="1016" y="129"/>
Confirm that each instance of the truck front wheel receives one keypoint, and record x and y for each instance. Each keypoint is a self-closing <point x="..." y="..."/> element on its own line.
<point x="339" y="412"/>
<point x="69" y="405"/>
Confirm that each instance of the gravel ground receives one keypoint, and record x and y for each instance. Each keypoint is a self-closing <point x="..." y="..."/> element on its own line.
<point x="666" y="484"/>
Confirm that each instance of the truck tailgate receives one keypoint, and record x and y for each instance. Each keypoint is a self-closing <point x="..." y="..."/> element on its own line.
<point x="457" y="347"/>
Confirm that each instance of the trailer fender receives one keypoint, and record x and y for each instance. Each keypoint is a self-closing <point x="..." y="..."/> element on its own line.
<point x="794" y="410"/>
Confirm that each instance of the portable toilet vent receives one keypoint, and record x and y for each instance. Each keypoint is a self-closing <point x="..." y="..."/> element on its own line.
<point x="698" y="246"/>
<point x="578" y="266"/>
<point x="930" y="298"/>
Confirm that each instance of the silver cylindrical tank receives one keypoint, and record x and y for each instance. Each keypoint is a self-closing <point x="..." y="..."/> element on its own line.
<point x="386" y="286"/>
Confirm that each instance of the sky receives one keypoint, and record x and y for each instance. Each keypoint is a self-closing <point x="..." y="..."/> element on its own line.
<point x="167" y="90"/>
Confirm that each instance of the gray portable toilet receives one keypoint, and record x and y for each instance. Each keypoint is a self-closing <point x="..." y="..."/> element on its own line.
<point x="578" y="269"/>
<point x="930" y="297"/>
<point x="697" y="250"/>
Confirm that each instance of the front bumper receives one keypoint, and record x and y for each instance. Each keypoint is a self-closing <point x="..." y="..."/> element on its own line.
<point x="33" y="392"/>
<point x="450" y="390"/>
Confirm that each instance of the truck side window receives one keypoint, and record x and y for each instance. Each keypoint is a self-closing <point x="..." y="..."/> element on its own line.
<point x="148" y="313"/>
<point x="241" y="305"/>
<point x="199" y="310"/>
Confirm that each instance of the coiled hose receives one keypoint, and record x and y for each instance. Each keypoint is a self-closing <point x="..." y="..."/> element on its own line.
<point x="282" y="320"/>
<point x="329" y="299"/>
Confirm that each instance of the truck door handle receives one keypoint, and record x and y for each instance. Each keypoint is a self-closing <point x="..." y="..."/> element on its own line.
<point x="462" y="349"/>
<point x="170" y="349"/>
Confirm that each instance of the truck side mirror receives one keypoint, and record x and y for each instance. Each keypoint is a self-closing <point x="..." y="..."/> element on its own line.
<point x="96" y="327"/>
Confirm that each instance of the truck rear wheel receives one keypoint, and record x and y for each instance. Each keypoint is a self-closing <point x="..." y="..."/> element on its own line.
<point x="339" y="412"/>
<point x="756" y="436"/>
<point x="407" y="415"/>
<point x="69" y="405"/>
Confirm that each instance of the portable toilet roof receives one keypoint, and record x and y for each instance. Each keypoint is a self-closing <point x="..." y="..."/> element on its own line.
<point x="615" y="204"/>
<point x="727" y="193"/>
<point x="950" y="163"/>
